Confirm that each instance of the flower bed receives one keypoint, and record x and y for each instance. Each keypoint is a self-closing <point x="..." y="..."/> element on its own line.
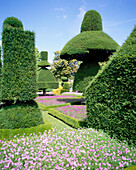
<point x="77" y="112"/>
<point x="59" y="101"/>
<point x="54" y="97"/>
<point x="66" y="149"/>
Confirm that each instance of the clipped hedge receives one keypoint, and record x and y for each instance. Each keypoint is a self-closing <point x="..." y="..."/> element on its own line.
<point x="8" y="134"/>
<point x="20" y="115"/>
<point x="92" y="21"/>
<point x="84" y="75"/>
<point x="13" y="22"/>
<point x="111" y="95"/>
<point x="67" y="119"/>
<point x="87" y="41"/>
<point x="19" y="64"/>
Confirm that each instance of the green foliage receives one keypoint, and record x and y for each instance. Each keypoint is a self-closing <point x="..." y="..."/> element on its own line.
<point x="0" y="72"/>
<point x="62" y="68"/>
<point x="45" y="79"/>
<point x="111" y="95"/>
<point x="13" y="22"/>
<point x="20" y="115"/>
<point x="8" y="134"/>
<point x="92" y="21"/>
<point x="84" y="75"/>
<point x="66" y="86"/>
<point x="64" y="79"/>
<point x="130" y="168"/>
<point x="44" y="59"/>
<point x="19" y="65"/>
<point x="86" y="44"/>
<point x="67" y="119"/>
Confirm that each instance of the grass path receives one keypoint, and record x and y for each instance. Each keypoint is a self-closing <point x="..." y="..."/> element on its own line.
<point x="54" y="121"/>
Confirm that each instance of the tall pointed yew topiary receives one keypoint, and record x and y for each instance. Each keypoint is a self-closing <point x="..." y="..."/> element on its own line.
<point x="91" y="46"/>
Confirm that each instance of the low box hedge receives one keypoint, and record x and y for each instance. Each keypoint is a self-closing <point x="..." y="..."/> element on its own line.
<point x="67" y="119"/>
<point x="8" y="134"/>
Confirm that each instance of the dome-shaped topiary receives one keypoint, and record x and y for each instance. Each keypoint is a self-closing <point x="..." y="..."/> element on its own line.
<point x="12" y="21"/>
<point x="92" y="21"/>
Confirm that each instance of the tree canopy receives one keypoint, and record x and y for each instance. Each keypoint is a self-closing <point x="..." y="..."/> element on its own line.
<point x="63" y="68"/>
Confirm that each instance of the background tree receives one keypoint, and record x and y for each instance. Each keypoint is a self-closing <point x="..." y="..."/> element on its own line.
<point x="63" y="68"/>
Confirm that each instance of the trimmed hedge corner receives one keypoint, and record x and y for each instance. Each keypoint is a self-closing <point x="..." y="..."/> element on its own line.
<point x="67" y="119"/>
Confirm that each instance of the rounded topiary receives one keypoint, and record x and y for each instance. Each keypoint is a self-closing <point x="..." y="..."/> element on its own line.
<point x="66" y="86"/>
<point x="20" y="115"/>
<point x="91" y="46"/>
<point x="92" y="21"/>
<point x="12" y="21"/>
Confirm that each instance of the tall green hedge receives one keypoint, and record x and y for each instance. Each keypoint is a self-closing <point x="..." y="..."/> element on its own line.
<point x="92" y="21"/>
<point x="84" y="75"/>
<point x="19" y="64"/>
<point x="111" y="95"/>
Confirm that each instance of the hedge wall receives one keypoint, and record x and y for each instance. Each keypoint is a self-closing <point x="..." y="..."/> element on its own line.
<point x="84" y="75"/>
<point x="19" y="64"/>
<point x="111" y="95"/>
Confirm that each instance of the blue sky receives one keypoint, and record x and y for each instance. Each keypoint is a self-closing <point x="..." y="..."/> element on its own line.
<point x="55" y="22"/>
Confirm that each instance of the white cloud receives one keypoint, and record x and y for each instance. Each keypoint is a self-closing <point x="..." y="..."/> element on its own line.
<point x="59" y="9"/>
<point x="123" y="22"/>
<point x="81" y="12"/>
<point x="0" y="42"/>
<point x="58" y="35"/>
<point x="65" y="16"/>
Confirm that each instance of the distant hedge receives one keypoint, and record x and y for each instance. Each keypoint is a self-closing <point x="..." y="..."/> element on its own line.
<point x="84" y="75"/>
<point x="19" y="63"/>
<point x="92" y="21"/>
<point x="111" y="95"/>
<point x="0" y="72"/>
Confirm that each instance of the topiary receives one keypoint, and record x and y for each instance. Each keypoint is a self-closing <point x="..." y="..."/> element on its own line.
<point x="20" y="115"/>
<point x="13" y="22"/>
<point x="92" y="21"/>
<point x="66" y="86"/>
<point x="111" y="95"/>
<point x="91" y="46"/>
<point x="45" y="78"/>
<point x="83" y="76"/>
<point x="19" y="62"/>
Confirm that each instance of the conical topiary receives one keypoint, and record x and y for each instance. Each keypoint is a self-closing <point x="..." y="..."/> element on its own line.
<point x="91" y="46"/>
<point x="45" y="78"/>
